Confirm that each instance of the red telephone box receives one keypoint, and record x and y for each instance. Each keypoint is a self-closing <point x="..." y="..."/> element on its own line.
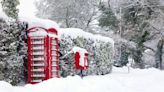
<point x="42" y="54"/>
<point x="81" y="60"/>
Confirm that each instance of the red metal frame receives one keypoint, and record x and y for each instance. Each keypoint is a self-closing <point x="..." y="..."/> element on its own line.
<point x="52" y="30"/>
<point x="47" y="49"/>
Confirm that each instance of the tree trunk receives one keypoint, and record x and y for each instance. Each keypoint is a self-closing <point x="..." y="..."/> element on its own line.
<point x="67" y="18"/>
<point x="137" y="56"/>
<point x="138" y="53"/>
<point x="158" y="55"/>
<point x="124" y="55"/>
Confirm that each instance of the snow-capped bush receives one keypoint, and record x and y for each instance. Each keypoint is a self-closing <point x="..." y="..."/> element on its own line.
<point x="100" y="50"/>
<point x="11" y="52"/>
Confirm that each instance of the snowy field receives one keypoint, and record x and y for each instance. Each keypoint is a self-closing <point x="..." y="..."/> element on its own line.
<point x="147" y="80"/>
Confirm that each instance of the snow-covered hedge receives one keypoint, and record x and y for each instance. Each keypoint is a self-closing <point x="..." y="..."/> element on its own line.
<point x="100" y="51"/>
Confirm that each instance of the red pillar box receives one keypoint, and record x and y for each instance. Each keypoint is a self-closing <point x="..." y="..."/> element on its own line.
<point x="41" y="44"/>
<point x="81" y="58"/>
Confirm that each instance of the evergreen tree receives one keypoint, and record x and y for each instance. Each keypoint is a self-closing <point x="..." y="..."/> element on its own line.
<point x="10" y="59"/>
<point x="107" y="18"/>
<point x="136" y="18"/>
<point x="10" y="8"/>
<point x="12" y="43"/>
<point x="124" y="55"/>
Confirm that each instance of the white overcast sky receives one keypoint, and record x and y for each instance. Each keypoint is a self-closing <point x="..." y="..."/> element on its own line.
<point x="27" y="8"/>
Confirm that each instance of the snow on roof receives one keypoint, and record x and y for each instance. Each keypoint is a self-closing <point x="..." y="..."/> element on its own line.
<point x="38" y="32"/>
<point x="75" y="32"/>
<point x="41" y="32"/>
<point x="38" y="22"/>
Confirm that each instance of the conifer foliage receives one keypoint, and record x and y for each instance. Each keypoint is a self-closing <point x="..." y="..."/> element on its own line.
<point x="13" y="47"/>
<point x="10" y="8"/>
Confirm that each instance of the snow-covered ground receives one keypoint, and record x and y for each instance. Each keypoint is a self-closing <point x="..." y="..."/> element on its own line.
<point x="147" y="80"/>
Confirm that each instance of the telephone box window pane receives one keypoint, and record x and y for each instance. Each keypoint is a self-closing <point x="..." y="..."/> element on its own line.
<point x="54" y="58"/>
<point x="38" y="63"/>
<point x="38" y="47"/>
<point x="38" y="58"/>
<point x="53" y="52"/>
<point x="38" y="52"/>
<point x="53" y="41"/>
<point x="54" y="63"/>
<point x="54" y="68"/>
<point x="53" y="47"/>
<point x="37" y="41"/>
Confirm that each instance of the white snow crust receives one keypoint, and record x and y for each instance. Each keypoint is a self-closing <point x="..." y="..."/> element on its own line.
<point x="38" y="22"/>
<point x="146" y="80"/>
<point x="75" y="32"/>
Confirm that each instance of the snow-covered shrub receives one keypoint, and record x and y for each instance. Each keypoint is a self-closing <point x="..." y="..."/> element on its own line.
<point x="12" y="52"/>
<point x="100" y="51"/>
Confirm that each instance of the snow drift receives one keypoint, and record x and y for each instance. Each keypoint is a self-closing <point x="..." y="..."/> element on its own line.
<point x="147" y="80"/>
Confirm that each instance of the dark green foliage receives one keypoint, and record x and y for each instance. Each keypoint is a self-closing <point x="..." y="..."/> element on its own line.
<point x="136" y="18"/>
<point x="107" y="18"/>
<point x="13" y="47"/>
<point x="10" y="8"/>
<point x="124" y="55"/>
<point x="10" y="58"/>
